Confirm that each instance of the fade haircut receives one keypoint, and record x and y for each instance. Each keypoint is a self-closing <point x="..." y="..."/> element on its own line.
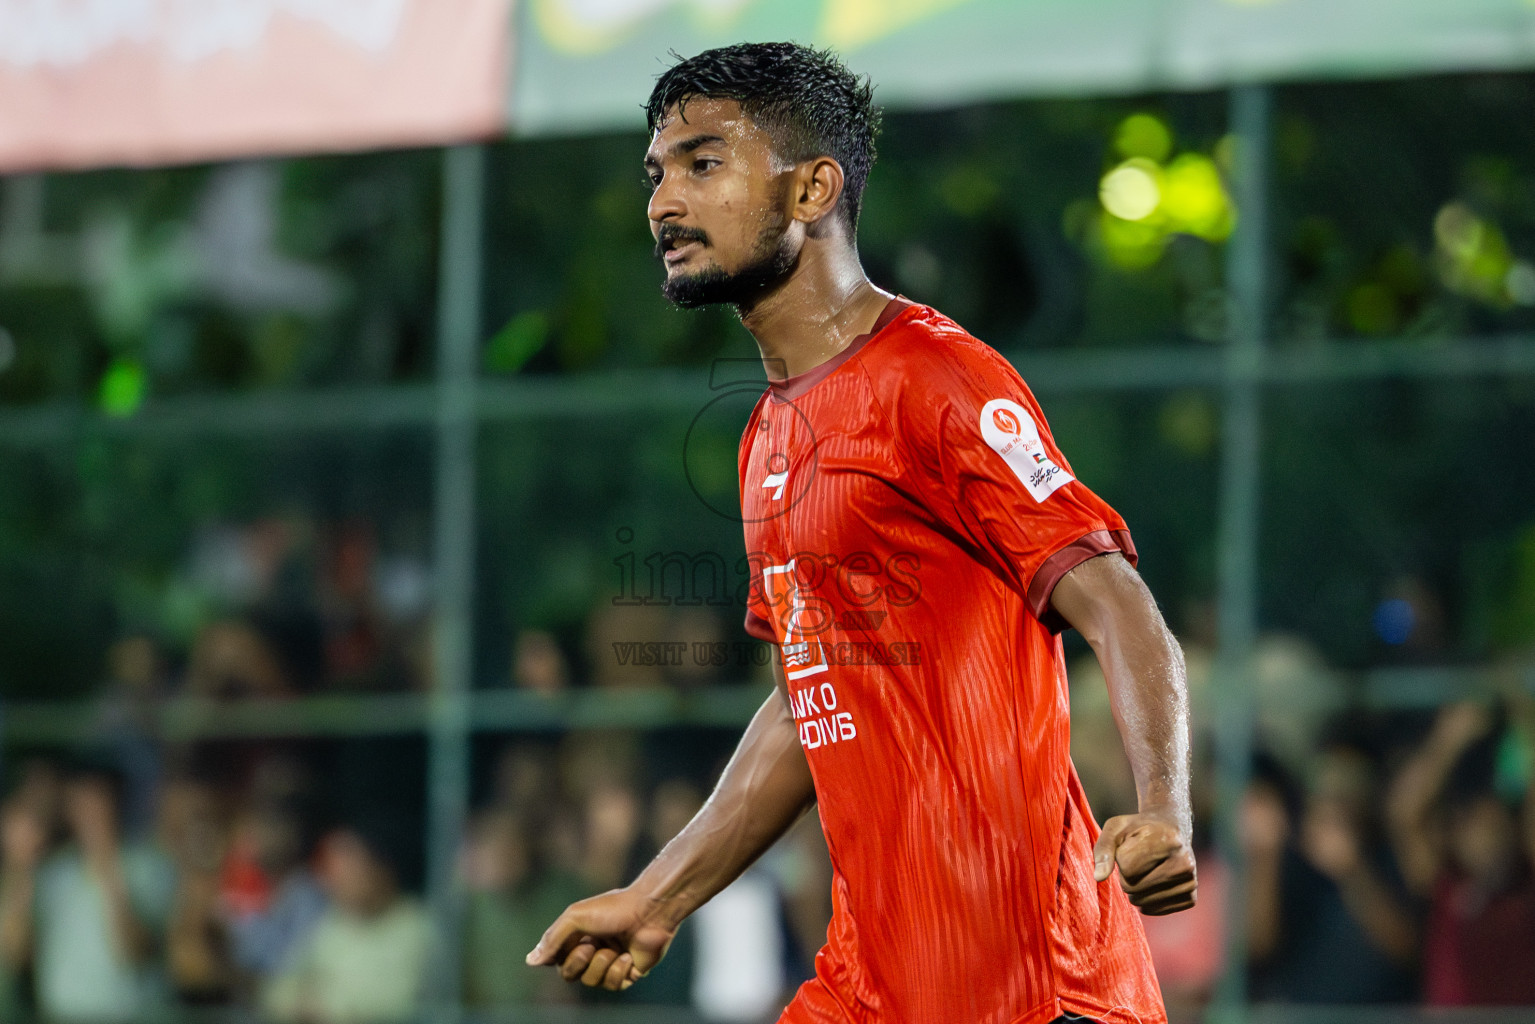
<point x="806" y="100"/>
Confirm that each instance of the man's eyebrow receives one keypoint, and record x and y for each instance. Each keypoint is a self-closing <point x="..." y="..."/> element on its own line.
<point x="685" y="146"/>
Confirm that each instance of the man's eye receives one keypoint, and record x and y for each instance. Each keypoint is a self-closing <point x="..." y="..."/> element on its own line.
<point x="652" y="181"/>
<point x="705" y="163"/>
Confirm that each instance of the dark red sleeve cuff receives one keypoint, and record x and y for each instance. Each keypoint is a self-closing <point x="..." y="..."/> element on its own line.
<point x="759" y="627"/>
<point x="1090" y="545"/>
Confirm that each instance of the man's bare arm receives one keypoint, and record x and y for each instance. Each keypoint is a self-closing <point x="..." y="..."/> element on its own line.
<point x="613" y="939"/>
<point x="1106" y="601"/>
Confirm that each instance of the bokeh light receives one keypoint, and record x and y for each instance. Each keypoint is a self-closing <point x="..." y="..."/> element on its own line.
<point x="1144" y="135"/>
<point x="1131" y="190"/>
<point x="1148" y="198"/>
<point x="1474" y="258"/>
<point x="1194" y="199"/>
<point x="123" y="388"/>
<point x="1394" y="621"/>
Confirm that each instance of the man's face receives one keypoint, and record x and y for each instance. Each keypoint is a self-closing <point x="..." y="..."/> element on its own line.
<point x="720" y="209"/>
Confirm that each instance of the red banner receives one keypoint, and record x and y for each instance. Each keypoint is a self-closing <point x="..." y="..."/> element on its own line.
<point x="93" y="82"/>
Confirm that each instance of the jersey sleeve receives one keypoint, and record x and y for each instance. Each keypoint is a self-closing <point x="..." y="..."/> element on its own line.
<point x="993" y="473"/>
<point x="757" y="622"/>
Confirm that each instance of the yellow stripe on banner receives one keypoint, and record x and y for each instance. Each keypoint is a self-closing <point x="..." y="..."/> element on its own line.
<point x="582" y="27"/>
<point x="847" y="24"/>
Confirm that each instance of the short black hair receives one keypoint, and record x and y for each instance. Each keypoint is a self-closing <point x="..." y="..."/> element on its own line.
<point x="807" y="101"/>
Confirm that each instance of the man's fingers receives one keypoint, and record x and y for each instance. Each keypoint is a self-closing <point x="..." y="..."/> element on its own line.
<point x="1170" y="902"/>
<point x="1147" y="871"/>
<point x="575" y="963"/>
<point x="1154" y="888"/>
<point x="618" y="973"/>
<point x="1107" y="846"/>
<point x="597" y="969"/>
<point x="1156" y="867"/>
<point x="1145" y="849"/>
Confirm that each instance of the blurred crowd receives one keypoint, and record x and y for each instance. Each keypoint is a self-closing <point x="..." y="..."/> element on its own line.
<point x="294" y="604"/>
<point x="1386" y="857"/>
<point x="278" y="883"/>
<point x="284" y="879"/>
<point x="1382" y="857"/>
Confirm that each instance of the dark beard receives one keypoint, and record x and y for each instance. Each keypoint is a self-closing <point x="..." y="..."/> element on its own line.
<point x="772" y="260"/>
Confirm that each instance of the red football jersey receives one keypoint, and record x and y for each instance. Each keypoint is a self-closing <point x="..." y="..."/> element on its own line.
<point x="907" y="517"/>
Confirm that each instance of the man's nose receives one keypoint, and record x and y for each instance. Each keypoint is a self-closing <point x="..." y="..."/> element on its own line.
<point x="666" y="202"/>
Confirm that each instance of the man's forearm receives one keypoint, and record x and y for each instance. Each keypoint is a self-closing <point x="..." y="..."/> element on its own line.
<point x="763" y="791"/>
<point x="1148" y="685"/>
<point x="1106" y="601"/>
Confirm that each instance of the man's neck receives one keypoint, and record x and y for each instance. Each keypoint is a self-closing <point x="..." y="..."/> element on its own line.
<point x="823" y="306"/>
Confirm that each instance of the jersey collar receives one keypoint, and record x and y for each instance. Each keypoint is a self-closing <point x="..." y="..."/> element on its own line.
<point x="791" y="388"/>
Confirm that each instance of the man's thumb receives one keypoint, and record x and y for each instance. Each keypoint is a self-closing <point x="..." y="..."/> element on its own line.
<point x="1105" y="848"/>
<point x="552" y="941"/>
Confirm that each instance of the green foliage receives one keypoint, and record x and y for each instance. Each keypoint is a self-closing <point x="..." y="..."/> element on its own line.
<point x="122" y="388"/>
<point x="517" y="342"/>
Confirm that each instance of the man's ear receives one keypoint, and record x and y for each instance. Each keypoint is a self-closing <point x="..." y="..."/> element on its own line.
<point x="817" y="188"/>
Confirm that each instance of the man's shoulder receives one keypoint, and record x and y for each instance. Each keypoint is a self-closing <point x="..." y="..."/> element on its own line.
<point x="924" y="362"/>
<point x="923" y="348"/>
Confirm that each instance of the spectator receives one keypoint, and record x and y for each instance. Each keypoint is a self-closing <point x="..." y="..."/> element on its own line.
<point x="698" y="636"/>
<point x="234" y="659"/>
<point x="194" y="831"/>
<point x="739" y="959"/>
<point x="1464" y="856"/>
<point x="524" y="776"/>
<point x="1097" y="753"/>
<point x="673" y="981"/>
<point x="89" y="918"/>
<point x="512" y="897"/>
<point x="802" y="865"/>
<point x="626" y="646"/>
<point x="739" y="937"/>
<point x="1328" y="920"/>
<point x="612" y="820"/>
<point x="538" y="664"/>
<point x="34" y="807"/>
<point x="270" y="900"/>
<point x="366" y="958"/>
<point x="136" y="683"/>
<point x="40" y="790"/>
<point x="354" y="630"/>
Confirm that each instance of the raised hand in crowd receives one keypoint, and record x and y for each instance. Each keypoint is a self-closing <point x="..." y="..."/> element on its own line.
<point x="23" y="842"/>
<point x="23" y="837"/>
<point x="90" y="808"/>
<point x="1411" y="802"/>
<point x="1331" y="840"/>
<point x="1264" y="829"/>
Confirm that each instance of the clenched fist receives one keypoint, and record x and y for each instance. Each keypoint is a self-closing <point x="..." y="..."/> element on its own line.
<point x="609" y="941"/>
<point x="1156" y="865"/>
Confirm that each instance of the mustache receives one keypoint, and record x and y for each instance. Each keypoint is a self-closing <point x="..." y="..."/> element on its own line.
<point x="673" y="235"/>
